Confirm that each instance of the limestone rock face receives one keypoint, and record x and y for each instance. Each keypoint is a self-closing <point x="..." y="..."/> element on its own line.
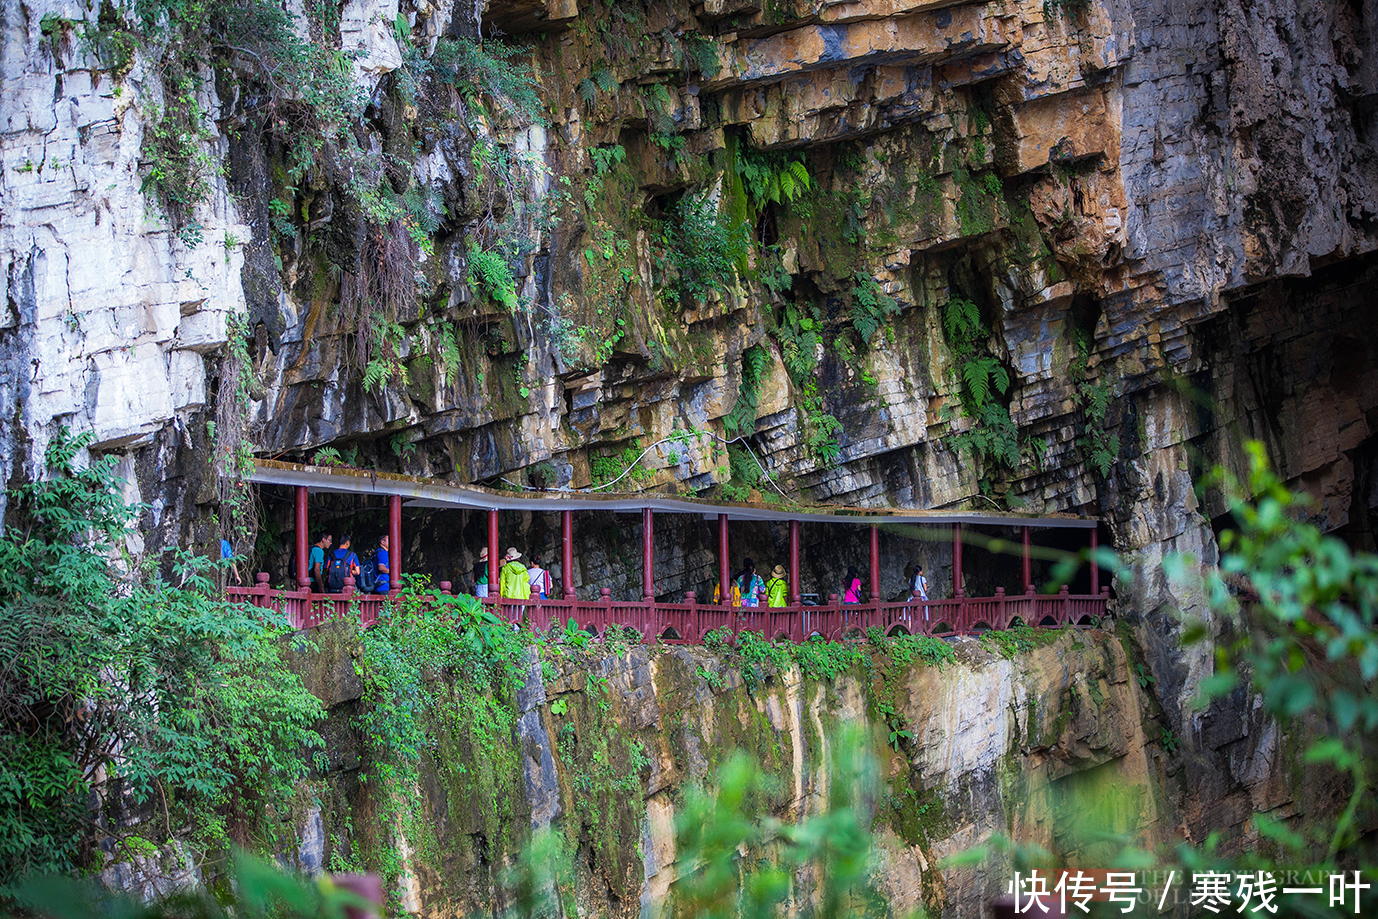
<point x="1058" y="744"/>
<point x="1164" y="216"/>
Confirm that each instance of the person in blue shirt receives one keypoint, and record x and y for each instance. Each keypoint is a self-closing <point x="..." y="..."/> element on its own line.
<point x="384" y="572"/>
<point x="343" y="563"/>
<point x="315" y="565"/>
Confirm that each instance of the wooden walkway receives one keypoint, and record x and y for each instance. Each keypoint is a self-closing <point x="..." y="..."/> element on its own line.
<point x="687" y="622"/>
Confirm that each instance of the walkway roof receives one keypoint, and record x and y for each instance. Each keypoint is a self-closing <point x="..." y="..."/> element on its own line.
<point x="431" y="493"/>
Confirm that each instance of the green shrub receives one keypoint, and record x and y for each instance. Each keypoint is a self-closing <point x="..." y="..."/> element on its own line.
<point x="180" y="699"/>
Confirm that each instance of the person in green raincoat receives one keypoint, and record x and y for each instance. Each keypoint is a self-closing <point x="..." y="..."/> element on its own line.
<point x="777" y="588"/>
<point x="513" y="581"/>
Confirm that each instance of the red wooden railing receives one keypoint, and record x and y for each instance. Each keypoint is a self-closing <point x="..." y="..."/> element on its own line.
<point x="688" y="622"/>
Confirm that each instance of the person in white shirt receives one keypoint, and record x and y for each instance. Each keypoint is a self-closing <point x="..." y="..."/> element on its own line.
<point x="540" y="578"/>
<point x="918" y="585"/>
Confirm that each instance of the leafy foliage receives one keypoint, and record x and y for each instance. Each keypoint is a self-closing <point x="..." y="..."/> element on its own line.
<point x="114" y="674"/>
<point x="256" y="889"/>
<point x="742" y="418"/>
<point x="700" y="248"/>
<point x="771" y="177"/>
<point x="870" y="306"/>
<point x="701" y="54"/>
<point x="982" y="373"/>
<point x="1311" y="649"/>
<point x="490" y="274"/>
<point x="1100" y="446"/>
<point x="711" y="830"/>
<point x="490" y="71"/>
<point x="994" y="439"/>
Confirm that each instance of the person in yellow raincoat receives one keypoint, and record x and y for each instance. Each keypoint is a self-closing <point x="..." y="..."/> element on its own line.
<point x="777" y="588"/>
<point x="513" y="581"/>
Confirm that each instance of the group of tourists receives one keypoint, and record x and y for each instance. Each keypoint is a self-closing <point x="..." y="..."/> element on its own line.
<point x="516" y="581"/>
<point x="328" y="565"/>
<point x="747" y="588"/>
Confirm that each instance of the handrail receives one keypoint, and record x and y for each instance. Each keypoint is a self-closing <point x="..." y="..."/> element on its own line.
<point x="689" y="621"/>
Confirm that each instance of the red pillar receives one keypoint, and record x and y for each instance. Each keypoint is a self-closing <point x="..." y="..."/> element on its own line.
<point x="492" y="553"/>
<point x="395" y="541"/>
<point x="724" y="570"/>
<point x="957" y="560"/>
<point x="1028" y="563"/>
<point x="303" y="544"/>
<point x="875" y="563"/>
<point x="567" y="552"/>
<point x="648" y="570"/>
<point x="1095" y="568"/>
<point x="794" y="597"/>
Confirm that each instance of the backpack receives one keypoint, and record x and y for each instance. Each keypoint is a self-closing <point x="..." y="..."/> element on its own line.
<point x="336" y="570"/>
<point x="368" y="572"/>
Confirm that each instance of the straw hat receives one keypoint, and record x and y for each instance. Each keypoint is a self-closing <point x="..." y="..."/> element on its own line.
<point x="512" y="555"/>
<point x="483" y="554"/>
<point x="779" y="571"/>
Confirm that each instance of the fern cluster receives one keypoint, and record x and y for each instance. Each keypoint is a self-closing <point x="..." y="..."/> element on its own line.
<point x="490" y="275"/>
<point x="493" y="70"/>
<point x="995" y="437"/>
<point x="1100" y="446"/>
<point x="870" y="306"/>
<point x="700" y="248"/>
<point x="772" y="177"/>
<point x="602" y="80"/>
<point x="742" y="419"/>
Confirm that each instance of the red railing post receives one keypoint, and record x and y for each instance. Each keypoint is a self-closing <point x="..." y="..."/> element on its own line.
<point x="691" y="620"/>
<point x="1066" y="605"/>
<point x="605" y="609"/>
<point x="875" y="563"/>
<point x="303" y="543"/>
<point x="794" y="598"/>
<point x="648" y="564"/>
<point x="1000" y="609"/>
<point x="567" y="553"/>
<point x="1095" y="568"/>
<point x="395" y="542"/>
<point x="724" y="567"/>
<point x="1028" y="563"/>
<point x="493" y="554"/>
<point x="444" y="587"/>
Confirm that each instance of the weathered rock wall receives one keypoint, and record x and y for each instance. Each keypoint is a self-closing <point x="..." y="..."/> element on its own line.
<point x="1132" y="193"/>
<point x="1058" y="745"/>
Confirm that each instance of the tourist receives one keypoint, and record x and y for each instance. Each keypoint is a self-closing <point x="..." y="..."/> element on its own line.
<point x="381" y="566"/>
<point x="343" y="564"/>
<point x="749" y="583"/>
<point x="777" y="588"/>
<point x="481" y="573"/>
<point x="227" y="558"/>
<point x="539" y="578"/>
<point x="918" y="585"/>
<point x="513" y="581"/>
<point x="852" y="593"/>
<point x="315" y="568"/>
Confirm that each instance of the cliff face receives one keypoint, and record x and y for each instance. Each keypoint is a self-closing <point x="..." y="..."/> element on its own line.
<point x="834" y="229"/>
<point x="1057" y="746"/>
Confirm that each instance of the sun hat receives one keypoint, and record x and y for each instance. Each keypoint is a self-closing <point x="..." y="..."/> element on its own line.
<point x="512" y="554"/>
<point x="483" y="553"/>
<point x="779" y="571"/>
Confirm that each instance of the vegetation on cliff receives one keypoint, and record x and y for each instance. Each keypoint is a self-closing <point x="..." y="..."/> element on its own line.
<point x="136" y="708"/>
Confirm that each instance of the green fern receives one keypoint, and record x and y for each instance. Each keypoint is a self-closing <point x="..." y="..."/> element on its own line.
<point x="870" y="306"/>
<point x="962" y="323"/>
<point x="490" y="274"/>
<point x="587" y="90"/>
<point x="606" y="158"/>
<point x="772" y="177"/>
<point x="606" y="80"/>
